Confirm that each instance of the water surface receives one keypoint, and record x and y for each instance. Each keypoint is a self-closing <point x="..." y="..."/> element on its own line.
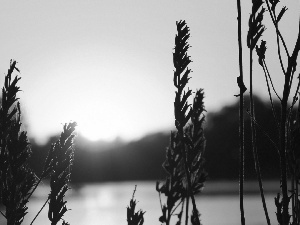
<point x="96" y="204"/>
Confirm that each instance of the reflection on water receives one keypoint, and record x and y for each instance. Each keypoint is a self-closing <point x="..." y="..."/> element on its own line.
<point x="95" y="204"/>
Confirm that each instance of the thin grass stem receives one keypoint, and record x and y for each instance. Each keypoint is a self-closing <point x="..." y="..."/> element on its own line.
<point x="297" y="209"/>
<point x="254" y="144"/>
<point x="296" y="92"/>
<point x="181" y="201"/>
<point x="297" y="203"/>
<point x="263" y="131"/>
<point x="270" y="78"/>
<point x="169" y="218"/>
<point x="187" y="205"/>
<point x="161" y="206"/>
<point x="35" y="187"/>
<point x="283" y="161"/>
<point x="2" y="213"/>
<point x="278" y="33"/>
<point x="279" y="54"/>
<point x="293" y="196"/>
<point x="270" y="96"/>
<point x="291" y="80"/>
<point x="182" y="207"/>
<point x="241" y="116"/>
<point x="40" y="211"/>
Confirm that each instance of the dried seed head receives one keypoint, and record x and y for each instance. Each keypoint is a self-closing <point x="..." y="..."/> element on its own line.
<point x="261" y="50"/>
<point x="256" y="28"/>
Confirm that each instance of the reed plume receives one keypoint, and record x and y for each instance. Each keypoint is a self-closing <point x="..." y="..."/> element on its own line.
<point x="17" y="180"/>
<point x="16" y="177"/>
<point x="134" y="218"/>
<point x="256" y="29"/>
<point x="184" y="156"/>
<point x="63" y="153"/>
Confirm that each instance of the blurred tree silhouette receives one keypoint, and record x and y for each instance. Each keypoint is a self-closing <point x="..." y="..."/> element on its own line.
<point x="223" y="143"/>
<point x="142" y="159"/>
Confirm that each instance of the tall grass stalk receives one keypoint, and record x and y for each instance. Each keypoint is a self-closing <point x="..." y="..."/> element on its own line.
<point x="16" y="177"/>
<point x="255" y="32"/>
<point x="287" y="130"/>
<point x="240" y="82"/>
<point x="184" y="156"/>
<point x="284" y="123"/>
<point x="17" y="180"/>
<point x="294" y="157"/>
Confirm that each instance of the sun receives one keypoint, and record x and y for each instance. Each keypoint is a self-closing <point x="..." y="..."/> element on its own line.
<point x="95" y="130"/>
<point x="96" y="123"/>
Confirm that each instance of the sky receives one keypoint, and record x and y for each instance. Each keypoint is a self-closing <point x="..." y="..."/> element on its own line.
<point x="108" y="64"/>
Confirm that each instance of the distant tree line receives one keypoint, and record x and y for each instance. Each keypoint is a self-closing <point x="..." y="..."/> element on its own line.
<point x="142" y="159"/>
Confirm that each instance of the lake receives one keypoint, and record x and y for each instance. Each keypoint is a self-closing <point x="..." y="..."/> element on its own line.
<point x="96" y="204"/>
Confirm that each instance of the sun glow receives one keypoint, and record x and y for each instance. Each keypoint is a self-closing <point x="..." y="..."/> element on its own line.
<point x="106" y="101"/>
<point x="95" y="130"/>
<point x="108" y="89"/>
<point x="96" y="117"/>
<point x="91" y="132"/>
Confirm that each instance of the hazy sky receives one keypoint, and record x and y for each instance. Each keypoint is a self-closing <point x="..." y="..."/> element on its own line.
<point x="108" y="64"/>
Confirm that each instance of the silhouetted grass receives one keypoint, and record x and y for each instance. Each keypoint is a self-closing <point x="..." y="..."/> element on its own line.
<point x="17" y="180"/>
<point x="184" y="163"/>
<point x="184" y="156"/>
<point x="287" y="140"/>
<point x="242" y="87"/>
<point x="134" y="218"/>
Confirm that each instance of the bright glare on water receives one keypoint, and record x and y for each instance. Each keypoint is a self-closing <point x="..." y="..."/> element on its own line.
<point x="95" y="204"/>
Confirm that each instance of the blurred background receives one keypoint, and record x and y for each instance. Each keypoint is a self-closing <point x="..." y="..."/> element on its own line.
<point x="108" y="66"/>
